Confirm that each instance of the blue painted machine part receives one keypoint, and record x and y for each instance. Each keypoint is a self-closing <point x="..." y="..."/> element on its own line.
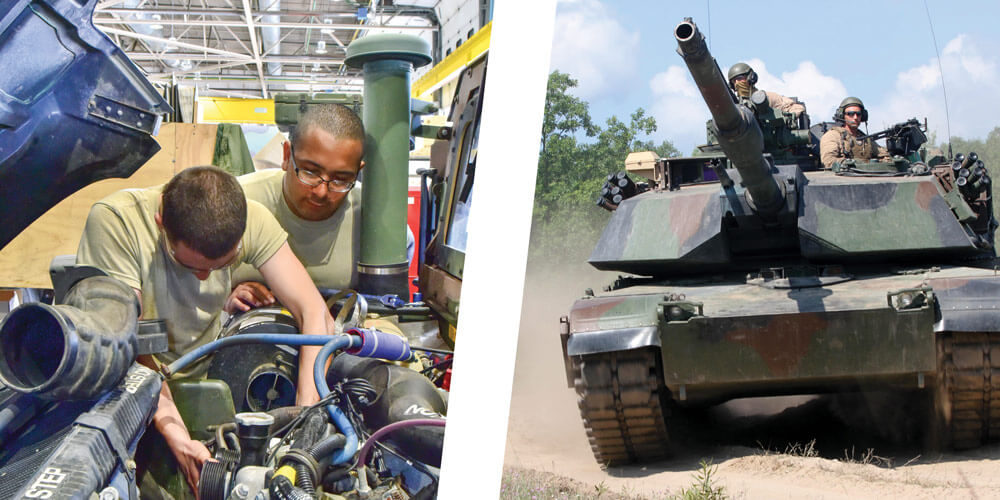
<point x="73" y="108"/>
<point x="390" y="300"/>
<point x="377" y="344"/>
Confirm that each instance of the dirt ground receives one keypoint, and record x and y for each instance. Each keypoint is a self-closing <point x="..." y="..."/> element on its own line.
<point x="746" y="439"/>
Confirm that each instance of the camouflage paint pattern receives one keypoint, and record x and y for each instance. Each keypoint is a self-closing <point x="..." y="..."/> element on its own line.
<point x="660" y="227"/>
<point x="751" y="340"/>
<point x="880" y="215"/>
<point x="686" y="231"/>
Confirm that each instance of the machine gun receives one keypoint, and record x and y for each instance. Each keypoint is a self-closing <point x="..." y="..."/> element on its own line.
<point x="903" y="138"/>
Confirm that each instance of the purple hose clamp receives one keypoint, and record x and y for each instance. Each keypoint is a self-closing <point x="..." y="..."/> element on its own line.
<point x="376" y="344"/>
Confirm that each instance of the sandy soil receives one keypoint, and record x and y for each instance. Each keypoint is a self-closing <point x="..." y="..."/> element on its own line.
<point x="545" y="433"/>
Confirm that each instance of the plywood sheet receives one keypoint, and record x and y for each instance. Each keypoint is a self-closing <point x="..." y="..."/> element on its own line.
<point x="24" y="262"/>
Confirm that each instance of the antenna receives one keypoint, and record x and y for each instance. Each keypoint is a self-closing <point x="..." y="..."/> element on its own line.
<point x="708" y="8"/>
<point x="947" y="115"/>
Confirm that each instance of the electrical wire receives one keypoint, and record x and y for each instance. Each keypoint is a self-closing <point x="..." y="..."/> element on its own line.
<point x="430" y="349"/>
<point x="429" y="369"/>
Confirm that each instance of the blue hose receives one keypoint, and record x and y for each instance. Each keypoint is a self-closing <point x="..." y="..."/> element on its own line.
<point x="291" y="339"/>
<point x="339" y="419"/>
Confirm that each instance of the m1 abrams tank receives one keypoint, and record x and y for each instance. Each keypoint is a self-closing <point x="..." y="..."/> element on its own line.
<point x="753" y="272"/>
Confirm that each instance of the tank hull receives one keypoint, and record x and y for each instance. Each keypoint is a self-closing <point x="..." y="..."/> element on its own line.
<point x="927" y="330"/>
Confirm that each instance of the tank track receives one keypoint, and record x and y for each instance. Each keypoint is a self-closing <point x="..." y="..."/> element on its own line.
<point x="623" y="403"/>
<point x="970" y="363"/>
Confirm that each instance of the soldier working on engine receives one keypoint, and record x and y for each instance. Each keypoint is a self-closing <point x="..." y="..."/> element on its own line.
<point x="847" y="140"/>
<point x="313" y="200"/>
<point x="177" y="245"/>
<point x="743" y="80"/>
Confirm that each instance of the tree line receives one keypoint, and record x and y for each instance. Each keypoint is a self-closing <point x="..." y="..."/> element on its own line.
<point x="575" y="157"/>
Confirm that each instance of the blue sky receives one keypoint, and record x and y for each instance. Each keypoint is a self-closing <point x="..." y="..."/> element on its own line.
<point x="624" y="56"/>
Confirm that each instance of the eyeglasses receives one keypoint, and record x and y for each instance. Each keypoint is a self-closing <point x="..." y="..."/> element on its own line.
<point x="173" y="257"/>
<point x="852" y="113"/>
<point x="311" y="179"/>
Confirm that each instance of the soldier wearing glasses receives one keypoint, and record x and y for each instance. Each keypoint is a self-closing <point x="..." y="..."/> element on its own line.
<point x="847" y="141"/>
<point x="311" y="196"/>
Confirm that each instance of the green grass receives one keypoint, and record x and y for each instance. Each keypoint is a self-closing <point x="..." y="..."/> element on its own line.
<point x="522" y="484"/>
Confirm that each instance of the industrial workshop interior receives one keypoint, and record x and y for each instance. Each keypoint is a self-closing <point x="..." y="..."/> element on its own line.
<point x="105" y="107"/>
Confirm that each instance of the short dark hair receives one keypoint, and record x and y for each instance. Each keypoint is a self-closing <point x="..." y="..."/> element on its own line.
<point x="205" y="208"/>
<point x="337" y="119"/>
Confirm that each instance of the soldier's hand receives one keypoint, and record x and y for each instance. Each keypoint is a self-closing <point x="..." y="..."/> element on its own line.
<point x="248" y="295"/>
<point x="191" y="457"/>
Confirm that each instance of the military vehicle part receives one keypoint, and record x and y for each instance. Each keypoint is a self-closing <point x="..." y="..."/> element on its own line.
<point x="904" y="138"/>
<point x="737" y="130"/>
<point x="252" y="429"/>
<point x="400" y="394"/>
<point x="76" y="350"/>
<point x="454" y="174"/>
<point x="76" y="449"/>
<point x="388" y="61"/>
<point x="624" y="405"/>
<point x="261" y="377"/>
<point x="113" y="108"/>
<point x="372" y="396"/>
<point x="289" y="106"/>
<point x="619" y="187"/>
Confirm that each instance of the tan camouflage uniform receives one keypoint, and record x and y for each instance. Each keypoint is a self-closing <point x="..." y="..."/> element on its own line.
<point x="838" y="144"/>
<point x="782" y="103"/>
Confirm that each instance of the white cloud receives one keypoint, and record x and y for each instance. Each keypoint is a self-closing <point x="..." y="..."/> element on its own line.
<point x="679" y="111"/>
<point x="972" y="81"/>
<point x="594" y="48"/>
<point x="820" y="93"/>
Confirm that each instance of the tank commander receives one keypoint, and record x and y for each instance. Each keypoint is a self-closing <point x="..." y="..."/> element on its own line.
<point x="846" y="140"/>
<point x="743" y="81"/>
<point x="312" y="198"/>
<point x="177" y="245"/>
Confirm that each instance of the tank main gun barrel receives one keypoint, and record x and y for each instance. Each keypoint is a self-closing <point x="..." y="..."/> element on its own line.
<point x="737" y="129"/>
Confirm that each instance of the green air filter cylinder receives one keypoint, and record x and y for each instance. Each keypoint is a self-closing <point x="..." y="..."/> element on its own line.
<point x="388" y="61"/>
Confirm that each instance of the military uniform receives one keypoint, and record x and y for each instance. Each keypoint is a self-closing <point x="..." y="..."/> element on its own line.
<point x="786" y="104"/>
<point x="329" y="249"/>
<point x="121" y="238"/>
<point x="838" y="144"/>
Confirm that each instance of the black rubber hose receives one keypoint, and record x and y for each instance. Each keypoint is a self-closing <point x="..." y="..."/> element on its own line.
<point x="326" y="447"/>
<point x="402" y="394"/>
<point x="303" y="479"/>
<point x="338" y="480"/>
<point x="282" y="489"/>
<point x="311" y="432"/>
<point x="77" y="350"/>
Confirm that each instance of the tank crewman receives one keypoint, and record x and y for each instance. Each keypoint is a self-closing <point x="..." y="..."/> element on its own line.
<point x="847" y="141"/>
<point x="177" y="245"/>
<point x="743" y="81"/>
<point x="312" y="198"/>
